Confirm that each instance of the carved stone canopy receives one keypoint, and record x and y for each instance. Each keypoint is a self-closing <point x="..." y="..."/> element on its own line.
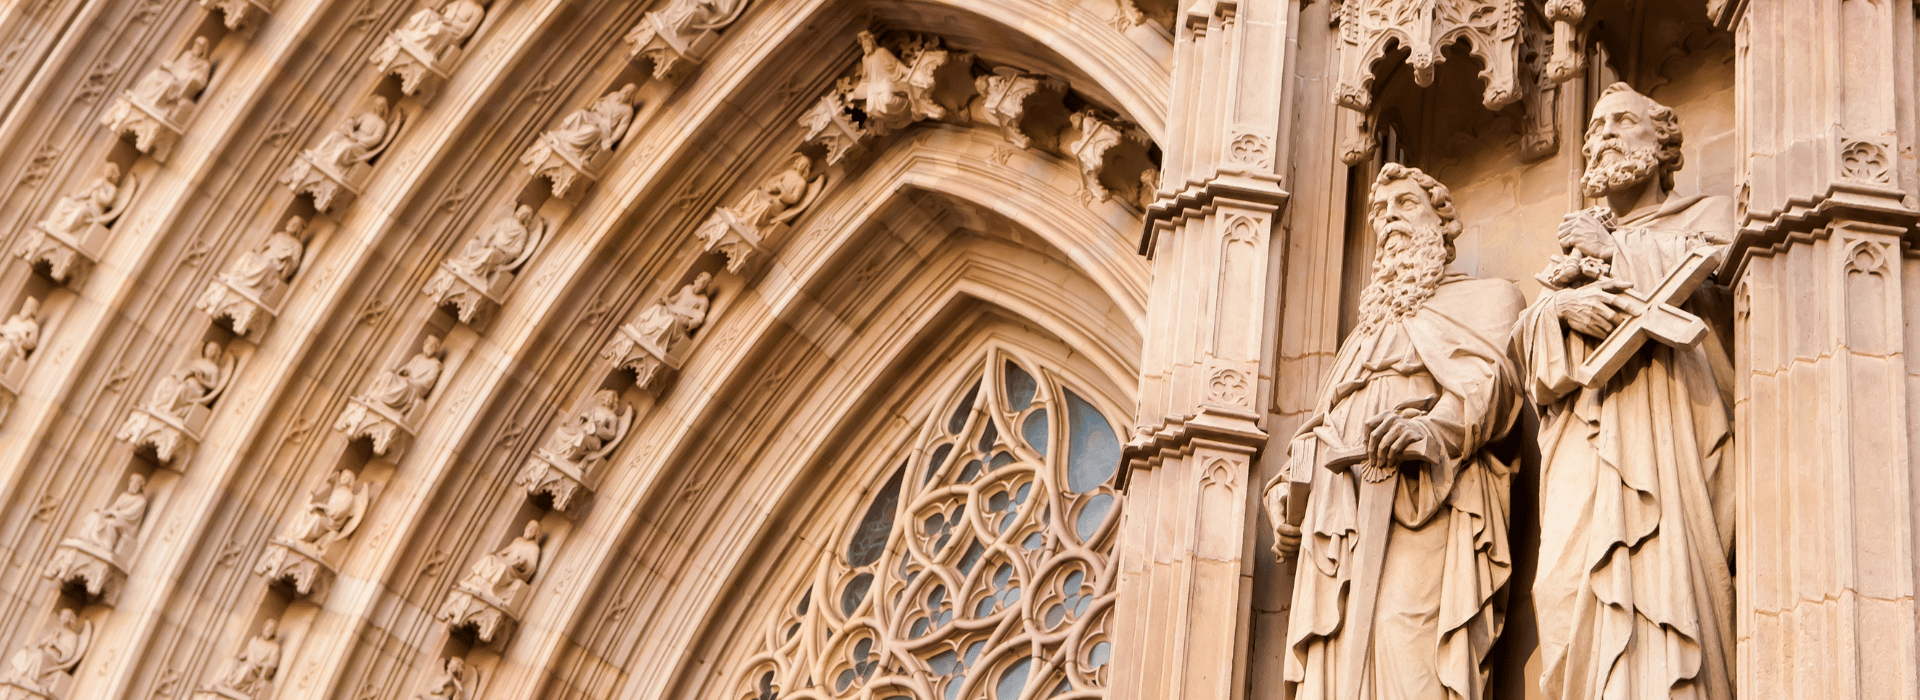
<point x="1369" y="30"/>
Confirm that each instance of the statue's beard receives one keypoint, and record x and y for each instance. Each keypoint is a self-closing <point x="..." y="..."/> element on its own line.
<point x="1406" y="271"/>
<point x="1605" y="176"/>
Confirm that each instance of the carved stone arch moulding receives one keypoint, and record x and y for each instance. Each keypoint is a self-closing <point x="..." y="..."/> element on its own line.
<point x="980" y="564"/>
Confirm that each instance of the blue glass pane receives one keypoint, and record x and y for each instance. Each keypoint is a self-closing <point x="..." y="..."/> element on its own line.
<point x="939" y="458"/>
<point x="1055" y="614"/>
<point x="1034" y="541"/>
<point x="970" y="558"/>
<point x="1034" y="429"/>
<point x="953" y="687"/>
<point x="805" y="601"/>
<point x="856" y="591"/>
<point x="959" y="419"/>
<point x="1091" y="515"/>
<point x="1064" y="686"/>
<point x="871" y="539"/>
<point x="1100" y="655"/>
<point x="973" y="652"/>
<point x="1020" y="388"/>
<point x="845" y="679"/>
<point x="989" y="435"/>
<point x="1000" y="460"/>
<point x="1013" y="680"/>
<point x="972" y="470"/>
<point x="1093" y="451"/>
<point x="943" y="662"/>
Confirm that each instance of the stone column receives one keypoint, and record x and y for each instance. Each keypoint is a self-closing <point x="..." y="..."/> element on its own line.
<point x="1824" y="298"/>
<point x="1186" y="563"/>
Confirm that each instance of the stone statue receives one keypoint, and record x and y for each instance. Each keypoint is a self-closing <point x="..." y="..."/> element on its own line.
<point x="1401" y="542"/>
<point x="449" y="684"/>
<point x="784" y="196"/>
<point x="503" y="246"/>
<point x="100" y="202"/>
<point x="108" y="528"/>
<point x="36" y="667"/>
<point x="686" y="17"/>
<point x="176" y="82"/>
<point x="401" y="389"/>
<point x="196" y="382"/>
<point x="499" y="574"/>
<point x="332" y="513"/>
<point x="256" y="664"/>
<point x="669" y="321"/>
<point x="1637" y="487"/>
<point x="20" y="335"/>
<point x="593" y="428"/>
<point x="274" y="262"/>
<point x="430" y="33"/>
<point x="588" y="132"/>
<point x="356" y="140"/>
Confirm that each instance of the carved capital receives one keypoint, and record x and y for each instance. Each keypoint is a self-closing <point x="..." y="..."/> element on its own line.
<point x="310" y="176"/>
<point x="489" y="619"/>
<point x="237" y="12"/>
<point x="830" y="124"/>
<point x="244" y="311"/>
<point x="296" y="566"/>
<point x="165" y="435"/>
<point x="59" y="257"/>
<point x="651" y="365"/>
<point x="363" y="418"/>
<point x="1111" y="154"/>
<point x="78" y="565"/>
<point x="466" y="296"/>
<point x="557" y="477"/>
<point x="154" y="130"/>
<point x="730" y="234"/>
<point x="1028" y="107"/>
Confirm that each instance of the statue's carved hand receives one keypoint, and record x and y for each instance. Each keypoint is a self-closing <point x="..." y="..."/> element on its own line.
<point x="1580" y="231"/>
<point x="1391" y="433"/>
<point x="1593" y="309"/>
<point x="1286" y="538"/>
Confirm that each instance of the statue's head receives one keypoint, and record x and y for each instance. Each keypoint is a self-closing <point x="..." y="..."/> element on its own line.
<point x="67" y="617"/>
<point x="1629" y="139"/>
<point x="531" y="531"/>
<point x="1414" y="225"/>
<point x="455" y="665"/>
<point x="378" y="106"/>
<point x="268" y="628"/>
<point x="626" y="93"/>
<point x="605" y="397"/>
<point x="702" y="281"/>
<point x="430" y="346"/>
<point x="30" y="308"/>
<point x="523" y="213"/>
<point x="801" y="164"/>
<point x="345" y="478"/>
<point x="110" y="172"/>
<point x="867" y="41"/>
<point x="200" y="46"/>
<point x="210" y="351"/>
<point x="136" y="483"/>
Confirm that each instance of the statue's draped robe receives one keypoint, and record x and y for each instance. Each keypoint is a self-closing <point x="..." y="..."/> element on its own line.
<point x="1447" y="562"/>
<point x="1634" y="592"/>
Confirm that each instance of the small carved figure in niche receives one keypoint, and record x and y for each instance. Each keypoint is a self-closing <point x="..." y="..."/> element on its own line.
<point x="593" y="428"/>
<point x="784" y="196"/>
<point x="274" y="262"/>
<point x="175" y="82"/>
<point x="671" y="320"/>
<point x="333" y="512"/>
<point x="401" y="389"/>
<point x="256" y="664"/>
<point x="356" y="140"/>
<point x="503" y="246"/>
<point x="599" y="127"/>
<point x="36" y="667"/>
<point x="108" y="528"/>
<point x="100" y="202"/>
<point x="500" y="573"/>
<point x="1637" y="469"/>
<point x="20" y="335"/>
<point x="686" y="17"/>
<point x="882" y="90"/>
<point x="450" y="683"/>
<point x="430" y="33"/>
<point x="196" y="382"/>
<point x="1403" y="506"/>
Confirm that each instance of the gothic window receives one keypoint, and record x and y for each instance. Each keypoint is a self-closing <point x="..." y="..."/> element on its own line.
<point x="979" y="568"/>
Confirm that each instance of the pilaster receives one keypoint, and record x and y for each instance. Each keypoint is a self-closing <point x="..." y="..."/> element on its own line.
<point x="1824" y="283"/>
<point x="1186" y="561"/>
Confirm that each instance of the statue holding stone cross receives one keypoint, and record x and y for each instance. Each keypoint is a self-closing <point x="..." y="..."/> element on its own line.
<point x="1634" y="591"/>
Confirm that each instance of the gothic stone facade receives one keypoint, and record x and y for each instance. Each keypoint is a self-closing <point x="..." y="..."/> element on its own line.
<point x="996" y="349"/>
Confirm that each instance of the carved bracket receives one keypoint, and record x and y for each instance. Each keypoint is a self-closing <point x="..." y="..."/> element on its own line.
<point x="237" y="12"/>
<point x="465" y="295"/>
<point x="60" y="257"/>
<point x="296" y="566"/>
<point x="673" y="53"/>
<point x="413" y="67"/>
<point x="154" y="130"/>
<point x="830" y="124"/>
<point x="309" y="176"/>
<point x="167" y="436"/>
<point x="490" y="619"/>
<point x="557" y="477"/>
<point x="227" y="299"/>
<point x="553" y="162"/>
<point x="730" y="234"/>
<point x="651" y="365"/>
<point x="1112" y="155"/>
<point x="78" y="565"/>
<point x="1028" y="107"/>
<point x="387" y="430"/>
<point x="1370" y="28"/>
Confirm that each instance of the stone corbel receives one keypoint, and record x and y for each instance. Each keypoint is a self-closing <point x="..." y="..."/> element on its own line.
<point x="489" y="618"/>
<point x="224" y="298"/>
<point x="673" y="54"/>
<point x="651" y="365"/>
<point x="562" y="169"/>
<point x="165" y="435"/>
<point x="154" y="130"/>
<point x="1112" y="154"/>
<point x="237" y="12"/>
<point x="1566" y="59"/>
<point x="831" y="125"/>
<point x="730" y="234"/>
<point x="465" y="295"/>
<point x="80" y="565"/>
<point x="307" y="176"/>
<point x="10" y="690"/>
<point x="1025" y="106"/>
<point x="363" y="418"/>
<point x="413" y="69"/>
<point x="295" y="565"/>
<point x="63" y="257"/>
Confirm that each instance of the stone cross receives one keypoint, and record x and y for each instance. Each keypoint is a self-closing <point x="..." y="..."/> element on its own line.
<point x="1655" y="316"/>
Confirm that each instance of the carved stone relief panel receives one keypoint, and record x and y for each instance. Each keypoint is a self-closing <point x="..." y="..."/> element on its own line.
<point x="479" y="274"/>
<point x="338" y="166"/>
<point x="170" y="423"/>
<point x="74" y="231"/>
<point x="574" y="149"/>
<point x="158" y="107"/>
<point x="428" y="45"/>
<point x="655" y="345"/>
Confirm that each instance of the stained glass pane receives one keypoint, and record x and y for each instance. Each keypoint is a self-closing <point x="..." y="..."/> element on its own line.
<point x="939" y="458"/>
<point x="988" y="436"/>
<point x="959" y="419"/>
<point x="1020" y="388"/>
<point x="856" y="591"/>
<point x="1091" y="515"/>
<point x="871" y="538"/>
<point x="1094" y="451"/>
<point x="1014" y="680"/>
<point x="1034" y="429"/>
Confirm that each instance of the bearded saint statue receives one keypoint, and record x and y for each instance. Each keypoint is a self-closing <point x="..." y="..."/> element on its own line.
<point x="108" y="528"/>
<point x="497" y="247"/>
<point x="177" y="81"/>
<point x="670" y="320"/>
<point x="256" y="664"/>
<point x="196" y="382"/>
<point x="591" y="428"/>
<point x="496" y="574"/>
<point x="94" y="204"/>
<point x="401" y="389"/>
<point x="354" y="141"/>
<point x="1634" y="590"/>
<point x="1418" y="391"/>
<point x="587" y="132"/>
<point x="331" y="514"/>
<point x="20" y="334"/>
<point x="274" y="262"/>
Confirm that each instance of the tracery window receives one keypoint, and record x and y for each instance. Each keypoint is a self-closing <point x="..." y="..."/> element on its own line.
<point x="981" y="567"/>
